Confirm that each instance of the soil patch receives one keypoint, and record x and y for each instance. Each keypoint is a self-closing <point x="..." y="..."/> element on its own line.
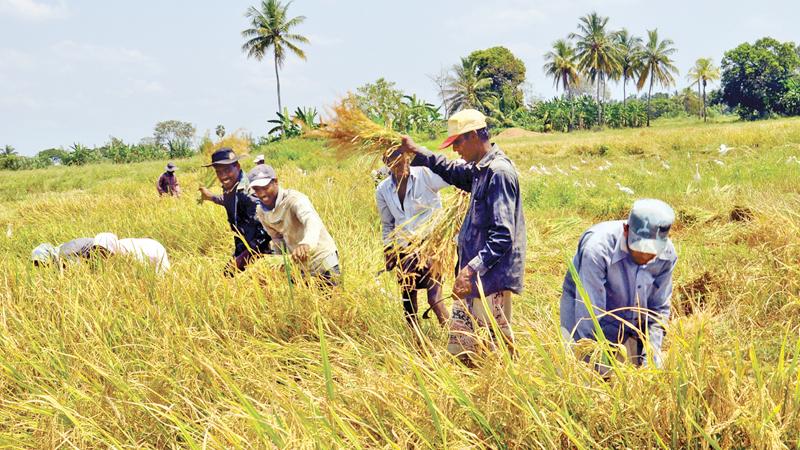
<point x="512" y="133"/>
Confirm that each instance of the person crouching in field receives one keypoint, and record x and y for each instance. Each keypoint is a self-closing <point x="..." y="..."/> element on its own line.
<point x="168" y="182"/>
<point x="101" y="246"/>
<point x="294" y="226"/>
<point x="70" y="251"/>
<point x="626" y="270"/>
<point x="406" y="200"/>
<point x="491" y="243"/>
<point x="250" y="239"/>
<point x="144" y="250"/>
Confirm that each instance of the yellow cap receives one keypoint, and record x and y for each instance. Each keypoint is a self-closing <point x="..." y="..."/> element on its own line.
<point x="463" y="122"/>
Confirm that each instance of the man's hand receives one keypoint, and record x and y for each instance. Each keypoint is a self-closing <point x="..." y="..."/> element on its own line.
<point x="463" y="284"/>
<point x="300" y="253"/>
<point x="205" y="193"/>
<point x="408" y="146"/>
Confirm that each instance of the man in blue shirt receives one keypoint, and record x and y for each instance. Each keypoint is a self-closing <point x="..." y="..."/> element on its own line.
<point x="491" y="242"/>
<point x="250" y="239"/>
<point x="626" y="268"/>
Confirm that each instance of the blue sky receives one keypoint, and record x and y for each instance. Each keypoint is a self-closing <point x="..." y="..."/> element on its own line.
<point x="84" y="70"/>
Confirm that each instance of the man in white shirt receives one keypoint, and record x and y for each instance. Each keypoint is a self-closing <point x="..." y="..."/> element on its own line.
<point x="147" y="251"/>
<point x="406" y="200"/>
<point x="294" y="226"/>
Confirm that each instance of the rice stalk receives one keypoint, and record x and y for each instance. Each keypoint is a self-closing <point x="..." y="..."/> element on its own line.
<point x="352" y="133"/>
<point x="434" y="242"/>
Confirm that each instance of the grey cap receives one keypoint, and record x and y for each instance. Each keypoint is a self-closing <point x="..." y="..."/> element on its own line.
<point x="261" y="175"/>
<point x="648" y="226"/>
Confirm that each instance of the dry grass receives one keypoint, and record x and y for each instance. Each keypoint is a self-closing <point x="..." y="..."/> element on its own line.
<point x="114" y="356"/>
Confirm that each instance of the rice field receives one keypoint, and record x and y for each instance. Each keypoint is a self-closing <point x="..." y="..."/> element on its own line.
<point x="113" y="356"/>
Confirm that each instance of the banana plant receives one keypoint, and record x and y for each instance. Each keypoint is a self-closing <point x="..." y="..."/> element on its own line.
<point x="306" y="118"/>
<point x="285" y="127"/>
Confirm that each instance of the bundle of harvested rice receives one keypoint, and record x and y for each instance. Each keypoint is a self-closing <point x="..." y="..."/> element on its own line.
<point x="434" y="241"/>
<point x="351" y="132"/>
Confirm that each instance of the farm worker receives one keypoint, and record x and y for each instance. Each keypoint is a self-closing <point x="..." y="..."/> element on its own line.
<point x="406" y="200"/>
<point x="71" y="251"/>
<point x="147" y="251"/>
<point x="250" y="239"/>
<point x="259" y="160"/>
<point x="626" y="269"/>
<point x="168" y="182"/>
<point x="294" y="226"/>
<point x="44" y="254"/>
<point x="491" y="243"/>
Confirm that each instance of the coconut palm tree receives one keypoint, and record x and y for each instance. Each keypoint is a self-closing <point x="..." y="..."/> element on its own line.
<point x="630" y="58"/>
<point x="562" y="67"/>
<point x="271" y="28"/>
<point x="596" y="52"/>
<point x="465" y="89"/>
<point x="220" y="131"/>
<point x="8" y="150"/>
<point x="703" y="71"/>
<point x="657" y="65"/>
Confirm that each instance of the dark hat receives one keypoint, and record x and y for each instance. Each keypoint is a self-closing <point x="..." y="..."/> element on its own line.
<point x="223" y="156"/>
<point x="171" y="167"/>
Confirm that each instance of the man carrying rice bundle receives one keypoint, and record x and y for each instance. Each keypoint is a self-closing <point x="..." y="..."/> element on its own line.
<point x="491" y="242"/>
<point x="626" y="268"/>
<point x="406" y="200"/>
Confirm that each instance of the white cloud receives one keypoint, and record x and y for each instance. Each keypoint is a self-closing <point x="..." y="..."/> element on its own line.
<point x="71" y="51"/>
<point x="19" y="101"/>
<point x="322" y="40"/>
<point x="33" y="9"/>
<point x="14" y="60"/>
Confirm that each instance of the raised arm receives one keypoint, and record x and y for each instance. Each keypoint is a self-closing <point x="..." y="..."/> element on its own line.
<point x="457" y="173"/>
<point x="434" y="182"/>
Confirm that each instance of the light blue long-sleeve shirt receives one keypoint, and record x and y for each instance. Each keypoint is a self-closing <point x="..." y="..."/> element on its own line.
<point x="613" y="282"/>
<point x="400" y="222"/>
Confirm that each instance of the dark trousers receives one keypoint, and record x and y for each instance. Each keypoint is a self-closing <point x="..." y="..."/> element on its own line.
<point x="412" y="275"/>
<point x="244" y="257"/>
